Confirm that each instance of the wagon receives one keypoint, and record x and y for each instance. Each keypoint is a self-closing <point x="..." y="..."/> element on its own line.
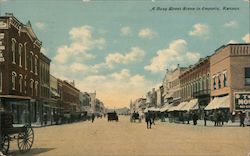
<point x="112" y="116"/>
<point x="134" y="117"/>
<point x="23" y="134"/>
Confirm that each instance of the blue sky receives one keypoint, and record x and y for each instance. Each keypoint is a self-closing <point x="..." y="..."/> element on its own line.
<point x="122" y="48"/>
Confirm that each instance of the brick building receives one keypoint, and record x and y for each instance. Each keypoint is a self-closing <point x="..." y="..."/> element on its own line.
<point x="195" y="82"/>
<point x="70" y="97"/>
<point x="230" y="73"/>
<point x="19" y="68"/>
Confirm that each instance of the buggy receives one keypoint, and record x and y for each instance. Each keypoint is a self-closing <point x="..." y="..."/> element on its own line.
<point x="112" y="116"/>
<point x="24" y="134"/>
<point x="135" y="116"/>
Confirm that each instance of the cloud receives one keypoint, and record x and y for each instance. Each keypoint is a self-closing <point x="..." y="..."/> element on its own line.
<point x="200" y="30"/>
<point x="1" y="1"/>
<point x="147" y="33"/>
<point x="78" y="67"/>
<point x="246" y="1"/>
<point x="232" y="41"/>
<point x="246" y="38"/>
<point x="176" y="53"/>
<point x="135" y="54"/>
<point x="40" y="25"/>
<point x="231" y="24"/>
<point x="126" y="31"/>
<point x="116" y="89"/>
<point x="82" y="41"/>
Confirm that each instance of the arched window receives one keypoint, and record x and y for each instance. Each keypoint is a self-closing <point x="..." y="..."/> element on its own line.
<point x="208" y="82"/>
<point x="36" y="58"/>
<point x="14" y="80"/>
<point x="31" y="61"/>
<point x="20" y="54"/>
<point x="21" y="83"/>
<point x="25" y="55"/>
<point x="31" y="87"/>
<point x="214" y="82"/>
<point x="25" y="84"/>
<point x="36" y="88"/>
<point x="13" y="49"/>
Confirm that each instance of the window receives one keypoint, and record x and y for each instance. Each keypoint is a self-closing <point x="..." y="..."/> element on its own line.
<point x="14" y="80"/>
<point x="20" y="54"/>
<point x="13" y="49"/>
<point x="219" y="83"/>
<point x="36" y="58"/>
<point x="25" y="84"/>
<point x="31" y="87"/>
<point x="21" y="83"/>
<point x="247" y="76"/>
<point x="36" y="88"/>
<point x="25" y="55"/>
<point x="31" y="62"/>
<point x="225" y="79"/>
<point x="1" y="81"/>
<point x="214" y="82"/>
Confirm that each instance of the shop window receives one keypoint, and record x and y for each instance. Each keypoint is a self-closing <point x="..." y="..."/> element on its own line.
<point x="247" y="76"/>
<point x="14" y="80"/>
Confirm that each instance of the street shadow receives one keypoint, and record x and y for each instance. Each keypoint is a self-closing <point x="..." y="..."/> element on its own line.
<point x="33" y="151"/>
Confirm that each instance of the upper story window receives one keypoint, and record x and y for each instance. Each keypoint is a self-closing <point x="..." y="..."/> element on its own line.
<point x="25" y="84"/>
<point x="25" y="55"/>
<point x="20" y="54"/>
<point x="36" y="88"/>
<point x="36" y="58"/>
<point x="225" y="79"/>
<point x="219" y="82"/>
<point x="1" y="82"/>
<point x="31" y="61"/>
<point x="214" y="83"/>
<point x="14" y="75"/>
<point x="21" y="83"/>
<point x="247" y="76"/>
<point x="13" y="49"/>
<point x="31" y="87"/>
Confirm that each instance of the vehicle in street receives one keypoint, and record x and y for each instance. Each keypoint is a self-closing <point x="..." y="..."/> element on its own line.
<point x="135" y="116"/>
<point x="23" y="134"/>
<point x="112" y="116"/>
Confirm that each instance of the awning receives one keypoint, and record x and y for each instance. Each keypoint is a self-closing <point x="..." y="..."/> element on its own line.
<point x="218" y="102"/>
<point x="191" y="105"/>
<point x="178" y="107"/>
<point x="153" y="109"/>
<point x="166" y="107"/>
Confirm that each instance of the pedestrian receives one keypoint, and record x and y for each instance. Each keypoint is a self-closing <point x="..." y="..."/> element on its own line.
<point x="45" y="118"/>
<point x="215" y="117"/>
<point x="205" y="118"/>
<point x="153" y="117"/>
<point x="148" y="120"/>
<point x="242" y="119"/>
<point x="93" y="117"/>
<point x="195" y="118"/>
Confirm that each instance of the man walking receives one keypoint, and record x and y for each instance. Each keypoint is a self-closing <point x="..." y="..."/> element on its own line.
<point x="242" y="119"/>
<point x="148" y="120"/>
<point x="93" y="117"/>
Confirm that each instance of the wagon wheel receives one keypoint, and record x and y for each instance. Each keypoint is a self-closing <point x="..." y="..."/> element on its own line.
<point x="25" y="139"/>
<point x="5" y="144"/>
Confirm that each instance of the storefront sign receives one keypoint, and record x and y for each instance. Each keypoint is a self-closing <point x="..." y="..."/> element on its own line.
<point x="242" y="100"/>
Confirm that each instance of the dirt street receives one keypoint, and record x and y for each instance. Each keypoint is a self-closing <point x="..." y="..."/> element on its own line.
<point x="123" y="138"/>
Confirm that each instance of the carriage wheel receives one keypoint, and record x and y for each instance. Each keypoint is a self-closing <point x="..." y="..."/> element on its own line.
<point x="25" y="139"/>
<point x="5" y="144"/>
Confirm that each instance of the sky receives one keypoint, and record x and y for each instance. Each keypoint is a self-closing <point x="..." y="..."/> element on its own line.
<point x="122" y="48"/>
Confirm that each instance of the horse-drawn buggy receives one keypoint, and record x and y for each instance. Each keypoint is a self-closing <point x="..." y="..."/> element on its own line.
<point x="135" y="116"/>
<point x="23" y="134"/>
<point x="112" y="116"/>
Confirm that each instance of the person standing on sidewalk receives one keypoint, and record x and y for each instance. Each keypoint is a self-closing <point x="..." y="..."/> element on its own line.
<point x="242" y="119"/>
<point x="205" y="118"/>
<point x="93" y="117"/>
